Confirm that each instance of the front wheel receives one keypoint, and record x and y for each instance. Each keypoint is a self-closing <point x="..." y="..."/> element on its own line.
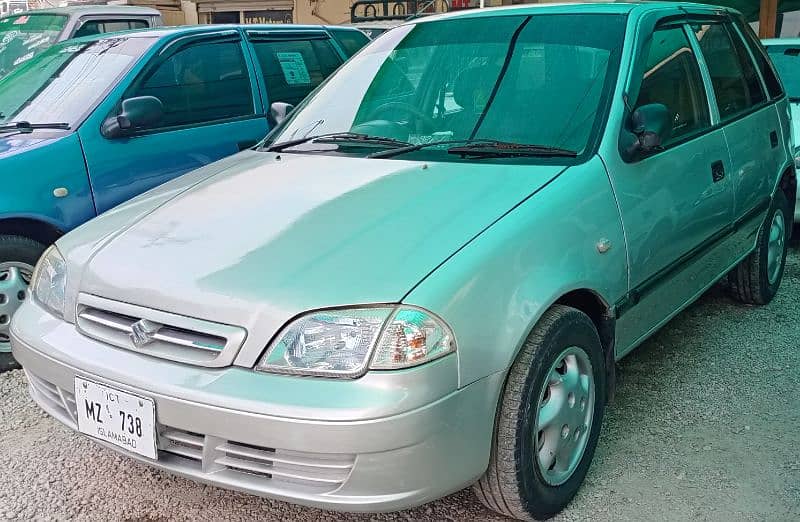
<point x="549" y="419"/>
<point x="757" y="278"/>
<point x="18" y="255"/>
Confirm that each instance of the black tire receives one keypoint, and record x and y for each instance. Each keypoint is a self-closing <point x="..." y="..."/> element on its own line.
<point x="513" y="485"/>
<point x="21" y="249"/>
<point x="749" y="281"/>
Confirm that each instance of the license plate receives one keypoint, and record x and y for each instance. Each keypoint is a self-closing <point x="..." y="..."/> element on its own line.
<point x="117" y="417"/>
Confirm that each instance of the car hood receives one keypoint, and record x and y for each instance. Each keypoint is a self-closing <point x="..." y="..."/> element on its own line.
<point x="13" y="143"/>
<point x="268" y="236"/>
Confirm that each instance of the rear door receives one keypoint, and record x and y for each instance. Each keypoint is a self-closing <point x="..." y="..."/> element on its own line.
<point x="751" y="125"/>
<point x="212" y="109"/>
<point x="293" y="63"/>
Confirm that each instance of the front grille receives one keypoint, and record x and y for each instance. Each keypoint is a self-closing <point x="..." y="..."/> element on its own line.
<point x="60" y="403"/>
<point x="157" y="333"/>
<point x="311" y="472"/>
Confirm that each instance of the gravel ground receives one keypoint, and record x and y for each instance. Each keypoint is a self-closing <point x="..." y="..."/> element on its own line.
<point x="706" y="425"/>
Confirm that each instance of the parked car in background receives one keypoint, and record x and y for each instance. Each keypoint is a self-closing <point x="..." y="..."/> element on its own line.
<point x="785" y="55"/>
<point x="24" y="35"/>
<point x="423" y="277"/>
<point x="376" y="28"/>
<point x="89" y="123"/>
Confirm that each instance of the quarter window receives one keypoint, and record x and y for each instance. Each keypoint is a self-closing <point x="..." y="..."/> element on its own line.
<point x="292" y="69"/>
<point x="737" y="86"/>
<point x="672" y="78"/>
<point x="201" y="83"/>
<point x="767" y="71"/>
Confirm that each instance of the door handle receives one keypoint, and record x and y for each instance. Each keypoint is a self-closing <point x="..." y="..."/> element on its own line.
<point x="246" y="144"/>
<point x="717" y="171"/>
<point x="773" y="139"/>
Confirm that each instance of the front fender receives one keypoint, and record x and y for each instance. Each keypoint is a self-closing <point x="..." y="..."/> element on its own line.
<point x="495" y="289"/>
<point x="29" y="177"/>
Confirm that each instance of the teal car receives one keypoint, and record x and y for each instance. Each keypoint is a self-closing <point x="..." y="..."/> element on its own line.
<point x="424" y="284"/>
<point x="92" y="122"/>
<point x="785" y="55"/>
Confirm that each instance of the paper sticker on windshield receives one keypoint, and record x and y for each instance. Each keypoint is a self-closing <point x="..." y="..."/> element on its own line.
<point x="21" y="20"/>
<point x="294" y="68"/>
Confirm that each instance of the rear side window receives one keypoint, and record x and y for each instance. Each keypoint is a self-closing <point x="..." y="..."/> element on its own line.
<point x="201" y="83"/>
<point x="351" y="41"/>
<point x="767" y="70"/>
<point x="737" y="86"/>
<point x="672" y="78"/>
<point x="293" y="68"/>
<point x="108" y="26"/>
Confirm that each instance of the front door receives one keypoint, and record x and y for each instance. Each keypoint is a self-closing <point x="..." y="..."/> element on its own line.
<point x="676" y="203"/>
<point x="211" y="110"/>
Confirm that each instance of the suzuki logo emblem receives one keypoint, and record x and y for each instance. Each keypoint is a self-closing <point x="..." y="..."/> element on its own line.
<point x="143" y="332"/>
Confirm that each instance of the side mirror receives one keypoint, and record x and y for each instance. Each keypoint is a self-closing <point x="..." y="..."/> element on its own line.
<point x="648" y="129"/>
<point x="136" y="113"/>
<point x="278" y="111"/>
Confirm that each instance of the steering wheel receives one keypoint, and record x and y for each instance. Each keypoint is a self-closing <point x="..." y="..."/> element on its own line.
<point x="423" y="122"/>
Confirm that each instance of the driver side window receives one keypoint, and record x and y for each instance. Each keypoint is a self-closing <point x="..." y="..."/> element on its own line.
<point x="672" y="78"/>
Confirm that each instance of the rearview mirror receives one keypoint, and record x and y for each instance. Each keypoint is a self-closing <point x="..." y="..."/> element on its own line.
<point x="648" y="129"/>
<point x="135" y="113"/>
<point x="278" y="111"/>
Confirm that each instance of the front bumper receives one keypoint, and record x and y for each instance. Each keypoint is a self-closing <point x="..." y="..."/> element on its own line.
<point x="336" y="451"/>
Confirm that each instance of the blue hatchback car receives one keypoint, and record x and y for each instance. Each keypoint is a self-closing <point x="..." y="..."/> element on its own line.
<point x="92" y="122"/>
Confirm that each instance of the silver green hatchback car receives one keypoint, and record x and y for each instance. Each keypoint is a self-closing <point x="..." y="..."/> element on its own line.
<point x="423" y="276"/>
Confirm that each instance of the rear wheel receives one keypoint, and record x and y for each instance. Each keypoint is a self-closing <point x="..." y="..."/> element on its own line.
<point x="18" y="256"/>
<point x="757" y="278"/>
<point x="549" y="419"/>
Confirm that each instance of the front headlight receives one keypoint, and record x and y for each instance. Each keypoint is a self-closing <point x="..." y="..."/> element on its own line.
<point x="49" y="281"/>
<point x="341" y="343"/>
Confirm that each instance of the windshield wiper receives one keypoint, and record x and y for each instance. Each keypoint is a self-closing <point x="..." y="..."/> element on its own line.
<point x="494" y="149"/>
<point x="26" y="126"/>
<point x="337" y="137"/>
<point x="482" y="148"/>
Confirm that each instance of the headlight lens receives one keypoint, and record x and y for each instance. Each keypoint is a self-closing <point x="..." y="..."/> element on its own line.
<point x="50" y="281"/>
<point x="339" y="343"/>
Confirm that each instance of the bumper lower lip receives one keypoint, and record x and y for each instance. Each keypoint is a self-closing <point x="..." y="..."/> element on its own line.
<point x="382" y="463"/>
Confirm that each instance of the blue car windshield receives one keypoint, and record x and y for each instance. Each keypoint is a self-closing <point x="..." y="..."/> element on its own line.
<point x="65" y="82"/>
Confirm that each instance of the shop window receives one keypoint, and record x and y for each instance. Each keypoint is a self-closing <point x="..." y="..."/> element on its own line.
<point x="292" y="69"/>
<point x="201" y="83"/>
<point x="672" y="78"/>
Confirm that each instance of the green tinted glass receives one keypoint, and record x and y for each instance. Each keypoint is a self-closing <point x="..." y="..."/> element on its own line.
<point x="535" y="80"/>
<point x="787" y="62"/>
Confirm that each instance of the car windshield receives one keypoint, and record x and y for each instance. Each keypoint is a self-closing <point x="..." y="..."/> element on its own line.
<point x="65" y="82"/>
<point x="787" y="61"/>
<point x="24" y="36"/>
<point x="536" y="80"/>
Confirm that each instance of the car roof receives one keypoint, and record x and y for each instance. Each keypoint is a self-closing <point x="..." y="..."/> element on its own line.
<point x="182" y="30"/>
<point x="81" y="10"/>
<point x="607" y="7"/>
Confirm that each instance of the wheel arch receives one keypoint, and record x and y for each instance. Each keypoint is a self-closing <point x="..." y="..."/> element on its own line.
<point x="601" y="314"/>
<point x="788" y="185"/>
<point x="36" y="229"/>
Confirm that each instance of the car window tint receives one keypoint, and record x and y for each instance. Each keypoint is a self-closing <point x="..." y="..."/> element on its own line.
<point x="768" y="72"/>
<point x="108" y="26"/>
<point x="672" y="78"/>
<point x="292" y="69"/>
<point x="350" y="40"/>
<point x="737" y="86"/>
<point x="200" y="83"/>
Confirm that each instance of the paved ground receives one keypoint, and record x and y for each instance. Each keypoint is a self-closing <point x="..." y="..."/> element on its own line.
<point x="706" y="426"/>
